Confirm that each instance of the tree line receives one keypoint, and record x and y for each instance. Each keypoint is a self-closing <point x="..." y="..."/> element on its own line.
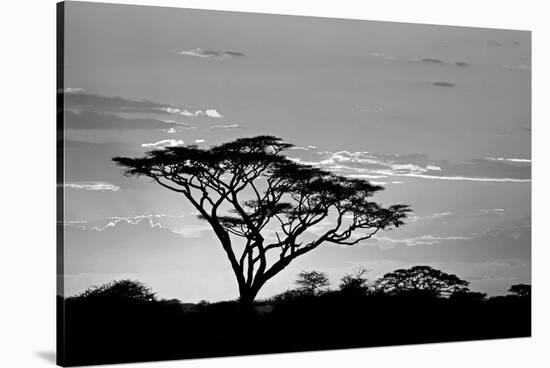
<point x="418" y="281"/>
<point x="125" y="321"/>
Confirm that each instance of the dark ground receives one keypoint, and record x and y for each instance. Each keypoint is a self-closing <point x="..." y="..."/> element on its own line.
<point x="117" y="330"/>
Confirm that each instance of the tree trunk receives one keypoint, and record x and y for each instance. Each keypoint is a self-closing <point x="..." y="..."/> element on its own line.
<point x="247" y="295"/>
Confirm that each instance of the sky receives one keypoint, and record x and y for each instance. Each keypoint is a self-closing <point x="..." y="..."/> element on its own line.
<point x="438" y="115"/>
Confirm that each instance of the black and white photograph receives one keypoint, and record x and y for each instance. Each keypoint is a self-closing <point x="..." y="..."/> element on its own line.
<point x="234" y="183"/>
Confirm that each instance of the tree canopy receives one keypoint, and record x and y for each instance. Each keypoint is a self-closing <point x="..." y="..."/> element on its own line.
<point x="122" y="289"/>
<point x="521" y="290"/>
<point x="421" y="280"/>
<point x="310" y="282"/>
<point x="263" y="205"/>
<point x="355" y="282"/>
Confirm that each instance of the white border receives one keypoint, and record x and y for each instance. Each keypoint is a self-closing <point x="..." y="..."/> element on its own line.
<point x="27" y="323"/>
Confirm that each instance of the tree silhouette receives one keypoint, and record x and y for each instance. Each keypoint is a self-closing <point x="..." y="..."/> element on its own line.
<point x="261" y="204"/>
<point x="466" y="296"/>
<point x="421" y="280"/>
<point x="123" y="289"/>
<point x="310" y="282"/>
<point x="355" y="282"/>
<point x="521" y="290"/>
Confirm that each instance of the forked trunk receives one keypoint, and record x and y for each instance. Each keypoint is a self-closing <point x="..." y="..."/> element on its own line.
<point x="247" y="295"/>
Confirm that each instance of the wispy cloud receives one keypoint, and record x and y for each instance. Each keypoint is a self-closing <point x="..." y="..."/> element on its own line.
<point x="93" y="186"/>
<point x="191" y="228"/>
<point x="508" y="159"/>
<point x="490" y="212"/>
<point x="88" y="120"/>
<point x="443" y="84"/>
<point x="368" y="165"/>
<point x="180" y="124"/>
<point x="431" y="217"/>
<point x="207" y="54"/>
<point x="300" y="148"/>
<point x="432" y="61"/>
<point x="465" y="178"/>
<point x="164" y="143"/>
<point x="71" y="90"/>
<point x="210" y="113"/>
<point x="422" y="240"/>
<point x="225" y="127"/>
<point x="425" y="60"/>
<point x="154" y="220"/>
<point x="78" y="223"/>
<point x="79" y="100"/>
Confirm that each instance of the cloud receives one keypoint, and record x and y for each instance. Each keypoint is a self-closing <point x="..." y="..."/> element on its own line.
<point x="93" y="186"/>
<point x="464" y="178"/>
<point x="299" y="148"/>
<point x="431" y="61"/>
<point x="154" y="220"/>
<point x="98" y="103"/>
<point x="164" y="143"/>
<point x="178" y="124"/>
<point x="186" y="113"/>
<point x="513" y="242"/>
<point x="226" y="127"/>
<point x="114" y="221"/>
<point x="78" y="223"/>
<point x="425" y="60"/>
<point x="490" y="212"/>
<point x="443" y="84"/>
<point x="87" y="120"/>
<point x="422" y="240"/>
<point x="441" y="62"/>
<point x="508" y="159"/>
<point x="213" y="114"/>
<point x="171" y="110"/>
<point x="433" y="168"/>
<point x="210" y="113"/>
<point x="137" y="246"/>
<point x="369" y="165"/>
<point x="78" y="101"/>
<point x="457" y="215"/>
<point x="206" y="54"/>
<point x="92" y="162"/>
<point x="509" y="243"/>
<point x="433" y="216"/>
<point x="199" y="140"/>
<point x="71" y="90"/>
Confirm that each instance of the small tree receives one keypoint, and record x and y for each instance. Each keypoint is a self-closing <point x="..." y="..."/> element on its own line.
<point x="310" y="282"/>
<point x="354" y="282"/>
<point x="521" y="290"/>
<point x="261" y="204"/>
<point x="422" y="280"/>
<point x="123" y="289"/>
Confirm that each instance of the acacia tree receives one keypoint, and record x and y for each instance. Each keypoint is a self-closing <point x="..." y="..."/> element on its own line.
<point x="310" y="282"/>
<point x="355" y="282"/>
<point x="261" y="204"/>
<point x="421" y="280"/>
<point x="521" y="290"/>
<point x="122" y="289"/>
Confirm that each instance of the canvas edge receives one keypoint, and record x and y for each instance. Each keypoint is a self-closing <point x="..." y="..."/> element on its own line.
<point x="60" y="178"/>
